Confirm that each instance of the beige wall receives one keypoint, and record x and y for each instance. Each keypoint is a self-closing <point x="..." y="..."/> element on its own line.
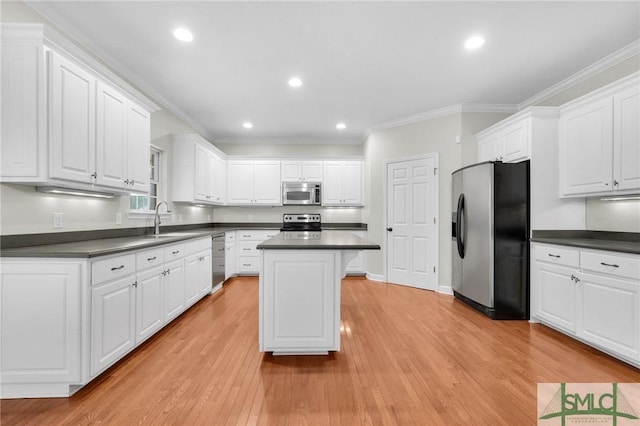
<point x="435" y="136"/>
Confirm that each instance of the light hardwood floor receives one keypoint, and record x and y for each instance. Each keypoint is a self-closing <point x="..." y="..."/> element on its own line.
<point x="408" y="357"/>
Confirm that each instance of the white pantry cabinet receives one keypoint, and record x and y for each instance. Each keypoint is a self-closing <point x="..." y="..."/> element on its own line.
<point x="42" y="317"/>
<point x="69" y="122"/>
<point x="592" y="295"/>
<point x="301" y="171"/>
<point x="64" y="321"/>
<point x="600" y="141"/>
<point x="254" y="183"/>
<point x="200" y="171"/>
<point x="342" y="183"/>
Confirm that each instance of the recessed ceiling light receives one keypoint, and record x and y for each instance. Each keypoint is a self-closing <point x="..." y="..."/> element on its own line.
<point x="295" y="82"/>
<point x="247" y="125"/>
<point x="183" y="34"/>
<point x="341" y="126"/>
<point x="474" y="42"/>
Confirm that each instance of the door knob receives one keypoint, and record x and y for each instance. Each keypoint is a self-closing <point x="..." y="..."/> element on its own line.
<point x="389" y="229"/>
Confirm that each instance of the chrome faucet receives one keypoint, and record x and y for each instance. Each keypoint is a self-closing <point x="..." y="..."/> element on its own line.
<point x="156" y="220"/>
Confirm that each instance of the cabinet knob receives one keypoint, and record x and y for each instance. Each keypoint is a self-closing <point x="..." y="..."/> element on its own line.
<point x="135" y="283"/>
<point x="615" y="183"/>
<point x="390" y="229"/>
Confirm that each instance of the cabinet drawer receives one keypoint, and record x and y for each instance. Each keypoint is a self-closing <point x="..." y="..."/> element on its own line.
<point x="247" y="248"/>
<point x="558" y="255"/>
<point x="612" y="264"/>
<point x="229" y="237"/>
<point x="148" y="258"/>
<point x="257" y="235"/>
<point x="174" y="251"/>
<point x="249" y="264"/>
<point x="115" y="267"/>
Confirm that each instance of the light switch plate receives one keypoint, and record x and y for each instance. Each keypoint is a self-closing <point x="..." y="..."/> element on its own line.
<point x="57" y="220"/>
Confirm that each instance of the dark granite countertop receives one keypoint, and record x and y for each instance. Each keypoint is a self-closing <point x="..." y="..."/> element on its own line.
<point x="624" y="242"/>
<point x="88" y="244"/>
<point x="323" y="240"/>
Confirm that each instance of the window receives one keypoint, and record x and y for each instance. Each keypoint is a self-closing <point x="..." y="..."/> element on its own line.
<point x="145" y="203"/>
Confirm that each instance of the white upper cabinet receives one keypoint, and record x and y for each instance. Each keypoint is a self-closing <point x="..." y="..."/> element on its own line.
<point x="65" y="123"/>
<point x="626" y="139"/>
<point x="254" y="182"/>
<point x="122" y="141"/>
<point x="72" y="120"/>
<point x="600" y="141"/>
<point x="342" y="184"/>
<point x="199" y="171"/>
<point x="510" y="142"/>
<point x="301" y="171"/>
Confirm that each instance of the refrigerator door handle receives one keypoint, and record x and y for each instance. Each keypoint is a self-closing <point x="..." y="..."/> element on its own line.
<point x="459" y="242"/>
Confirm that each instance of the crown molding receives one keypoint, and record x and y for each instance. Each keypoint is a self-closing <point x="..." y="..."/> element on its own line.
<point x="448" y="110"/>
<point x="603" y="64"/>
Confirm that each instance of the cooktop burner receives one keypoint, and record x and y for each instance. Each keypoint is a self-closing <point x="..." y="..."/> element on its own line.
<point x="301" y="222"/>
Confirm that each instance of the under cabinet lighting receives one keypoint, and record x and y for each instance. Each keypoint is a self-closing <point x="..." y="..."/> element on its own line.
<point x="247" y="125"/>
<point x="341" y="126"/>
<point x="76" y="192"/>
<point x="621" y="198"/>
<point x="295" y="82"/>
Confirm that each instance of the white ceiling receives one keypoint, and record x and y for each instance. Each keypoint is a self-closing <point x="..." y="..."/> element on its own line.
<point x="364" y="63"/>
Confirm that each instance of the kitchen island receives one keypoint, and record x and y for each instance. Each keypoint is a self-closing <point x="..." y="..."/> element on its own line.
<point x="300" y="278"/>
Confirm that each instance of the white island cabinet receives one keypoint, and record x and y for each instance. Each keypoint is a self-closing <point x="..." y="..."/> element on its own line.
<point x="300" y="278"/>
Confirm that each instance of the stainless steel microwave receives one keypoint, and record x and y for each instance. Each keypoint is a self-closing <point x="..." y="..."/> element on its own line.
<point x="302" y="193"/>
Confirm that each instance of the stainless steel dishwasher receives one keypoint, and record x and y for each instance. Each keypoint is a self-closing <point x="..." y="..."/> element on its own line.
<point x="217" y="258"/>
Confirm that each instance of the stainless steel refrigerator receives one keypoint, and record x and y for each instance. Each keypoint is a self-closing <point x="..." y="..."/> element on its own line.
<point x="490" y="233"/>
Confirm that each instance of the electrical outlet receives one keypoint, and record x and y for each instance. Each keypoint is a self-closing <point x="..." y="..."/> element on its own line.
<point x="57" y="220"/>
<point x="458" y="139"/>
<point x="118" y="218"/>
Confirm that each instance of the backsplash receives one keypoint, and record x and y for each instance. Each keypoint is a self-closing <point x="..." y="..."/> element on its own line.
<point x="274" y="214"/>
<point x="617" y="216"/>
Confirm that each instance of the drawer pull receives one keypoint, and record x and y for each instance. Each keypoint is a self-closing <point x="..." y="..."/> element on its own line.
<point x="247" y="236"/>
<point x="151" y="258"/>
<point x="610" y="264"/>
<point x="246" y="264"/>
<point x="246" y="249"/>
<point x="115" y="268"/>
<point x="553" y="255"/>
<point x="175" y="252"/>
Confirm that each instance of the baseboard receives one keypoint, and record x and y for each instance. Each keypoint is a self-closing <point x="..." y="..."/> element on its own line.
<point x="445" y="289"/>
<point x="375" y="277"/>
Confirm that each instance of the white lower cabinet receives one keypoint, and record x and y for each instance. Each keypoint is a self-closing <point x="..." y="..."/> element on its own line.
<point x="592" y="295"/>
<point x="357" y="265"/>
<point x="556" y="296"/>
<point x="610" y="314"/>
<point x="42" y="326"/>
<point x="64" y="321"/>
<point x="149" y="307"/>
<point x="248" y="260"/>
<point x="113" y="317"/>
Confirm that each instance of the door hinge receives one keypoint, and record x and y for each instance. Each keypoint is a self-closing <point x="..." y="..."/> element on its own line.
<point x="434" y="220"/>
<point x="435" y="169"/>
<point x="434" y="269"/>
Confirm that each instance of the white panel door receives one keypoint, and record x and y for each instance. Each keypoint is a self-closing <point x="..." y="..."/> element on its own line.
<point x="626" y="139"/>
<point x="411" y="219"/>
<point x="488" y="148"/>
<point x="138" y="145"/>
<point x="202" y="174"/>
<point x="111" y="137"/>
<point x="219" y="180"/>
<point x="352" y="182"/>
<point x="332" y="184"/>
<point x="312" y="171"/>
<point x="586" y="154"/>
<point x="72" y="121"/>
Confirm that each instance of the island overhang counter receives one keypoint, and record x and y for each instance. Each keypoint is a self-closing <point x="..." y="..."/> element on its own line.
<point x="300" y="277"/>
